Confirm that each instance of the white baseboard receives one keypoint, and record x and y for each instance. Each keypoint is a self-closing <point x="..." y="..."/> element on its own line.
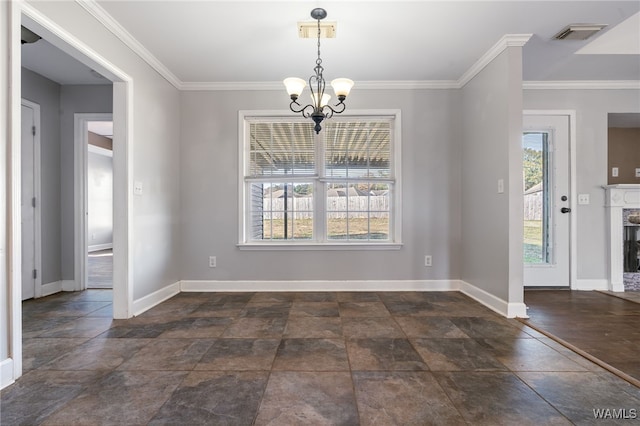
<point x="98" y="247"/>
<point x="69" y="285"/>
<point x="509" y="310"/>
<point x="155" y="298"/>
<point x="602" y="284"/>
<point x="277" y="286"/>
<point x="6" y="373"/>
<point x="51" y="288"/>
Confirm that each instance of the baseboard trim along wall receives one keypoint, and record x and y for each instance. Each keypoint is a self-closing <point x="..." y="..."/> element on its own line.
<point x="510" y="310"/>
<point x="240" y="286"/>
<point x="155" y="298"/>
<point x="592" y="284"/>
<point x="6" y="373"/>
<point x="98" y="247"/>
<point x="51" y="288"/>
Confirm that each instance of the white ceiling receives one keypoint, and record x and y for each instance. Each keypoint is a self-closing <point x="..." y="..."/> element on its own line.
<point x="240" y="41"/>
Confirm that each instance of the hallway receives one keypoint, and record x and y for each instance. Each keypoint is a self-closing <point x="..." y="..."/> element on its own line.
<point x="312" y="358"/>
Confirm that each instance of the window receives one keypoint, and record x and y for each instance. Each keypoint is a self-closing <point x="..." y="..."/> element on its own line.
<point x="336" y="188"/>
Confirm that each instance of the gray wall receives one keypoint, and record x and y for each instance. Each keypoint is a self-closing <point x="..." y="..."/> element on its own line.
<point x="430" y="183"/>
<point x="592" y="108"/>
<point x="491" y="113"/>
<point x="46" y="93"/>
<point x="75" y="99"/>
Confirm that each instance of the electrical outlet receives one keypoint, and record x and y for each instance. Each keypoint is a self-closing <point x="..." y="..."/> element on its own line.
<point x="428" y="261"/>
<point x="212" y="261"/>
<point x="614" y="172"/>
<point x="500" y="186"/>
<point x="637" y="172"/>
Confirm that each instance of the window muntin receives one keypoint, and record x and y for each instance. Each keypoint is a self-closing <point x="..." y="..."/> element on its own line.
<point x="339" y="184"/>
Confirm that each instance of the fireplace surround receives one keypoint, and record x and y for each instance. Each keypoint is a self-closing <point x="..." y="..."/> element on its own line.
<point x="623" y="202"/>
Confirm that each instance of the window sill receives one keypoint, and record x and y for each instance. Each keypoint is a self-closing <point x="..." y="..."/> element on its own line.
<point x="319" y="246"/>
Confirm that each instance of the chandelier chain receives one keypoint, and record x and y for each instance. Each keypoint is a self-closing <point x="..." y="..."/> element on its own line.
<point x="318" y="61"/>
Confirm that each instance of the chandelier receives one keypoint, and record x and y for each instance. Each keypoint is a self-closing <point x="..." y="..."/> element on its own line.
<point x="319" y="108"/>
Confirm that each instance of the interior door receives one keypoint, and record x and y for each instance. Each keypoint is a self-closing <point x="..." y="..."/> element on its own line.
<point x="28" y="203"/>
<point x="547" y="213"/>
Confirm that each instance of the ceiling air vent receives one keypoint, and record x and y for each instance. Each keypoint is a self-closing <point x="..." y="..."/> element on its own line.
<point x="310" y="29"/>
<point x="578" y="31"/>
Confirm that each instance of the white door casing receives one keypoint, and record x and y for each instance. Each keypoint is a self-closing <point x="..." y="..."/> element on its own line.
<point x="556" y="270"/>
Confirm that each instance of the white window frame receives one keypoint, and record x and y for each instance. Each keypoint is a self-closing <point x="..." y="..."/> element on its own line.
<point x="245" y="117"/>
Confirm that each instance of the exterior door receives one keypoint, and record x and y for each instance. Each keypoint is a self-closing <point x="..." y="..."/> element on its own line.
<point x="28" y="202"/>
<point x="547" y="213"/>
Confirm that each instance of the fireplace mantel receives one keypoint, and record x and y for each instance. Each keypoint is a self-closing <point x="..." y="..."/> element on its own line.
<point x="617" y="198"/>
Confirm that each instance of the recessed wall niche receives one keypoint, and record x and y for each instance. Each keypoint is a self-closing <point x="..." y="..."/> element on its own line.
<point x="623" y="151"/>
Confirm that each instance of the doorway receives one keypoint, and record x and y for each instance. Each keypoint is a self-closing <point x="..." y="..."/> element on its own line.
<point x="98" y="177"/>
<point x="30" y="199"/>
<point x="547" y="201"/>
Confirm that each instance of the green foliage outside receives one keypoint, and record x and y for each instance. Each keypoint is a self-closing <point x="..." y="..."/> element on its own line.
<point x="532" y="165"/>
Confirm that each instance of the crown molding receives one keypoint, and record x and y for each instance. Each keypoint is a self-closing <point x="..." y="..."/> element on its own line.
<point x="119" y="31"/>
<point x="582" y="85"/>
<point x="277" y="85"/>
<point x="507" y="40"/>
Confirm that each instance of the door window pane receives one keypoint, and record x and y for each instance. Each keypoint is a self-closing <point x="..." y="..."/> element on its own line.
<point x="536" y="186"/>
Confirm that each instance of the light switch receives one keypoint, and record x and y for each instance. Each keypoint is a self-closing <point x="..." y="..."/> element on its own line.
<point x="583" y="199"/>
<point x="137" y="188"/>
<point x="614" y="172"/>
<point x="500" y="186"/>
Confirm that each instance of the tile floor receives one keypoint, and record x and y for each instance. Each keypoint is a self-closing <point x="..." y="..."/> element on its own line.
<point x="299" y="359"/>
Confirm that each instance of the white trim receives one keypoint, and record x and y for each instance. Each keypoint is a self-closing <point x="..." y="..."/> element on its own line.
<point x="51" y="288"/>
<point x="360" y="85"/>
<point x="582" y="85"/>
<point x="68" y="43"/>
<point x="347" y="285"/>
<point x="14" y="238"/>
<point x="37" y="193"/>
<point x="573" y="187"/>
<point x="120" y="32"/>
<point x="68" y="285"/>
<point x="507" y="40"/>
<point x="509" y="310"/>
<point x="6" y="373"/>
<point x="98" y="247"/>
<point x="155" y="298"/>
<point x="303" y="246"/>
<point x="80" y="188"/>
<point x="588" y="285"/>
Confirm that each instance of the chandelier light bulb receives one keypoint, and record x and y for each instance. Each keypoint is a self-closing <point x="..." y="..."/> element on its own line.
<point x="342" y="87"/>
<point x="294" y="86"/>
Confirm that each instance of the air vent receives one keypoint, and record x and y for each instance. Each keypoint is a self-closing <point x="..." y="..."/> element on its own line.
<point x="578" y="31"/>
<point x="309" y="29"/>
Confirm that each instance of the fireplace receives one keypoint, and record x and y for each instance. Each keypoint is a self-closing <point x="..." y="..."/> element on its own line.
<point x="623" y="214"/>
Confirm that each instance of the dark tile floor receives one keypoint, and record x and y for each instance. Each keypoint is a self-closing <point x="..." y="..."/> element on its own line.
<point x="602" y="325"/>
<point x="299" y="359"/>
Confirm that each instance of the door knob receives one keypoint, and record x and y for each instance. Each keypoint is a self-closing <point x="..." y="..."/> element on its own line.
<point x="565" y="210"/>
